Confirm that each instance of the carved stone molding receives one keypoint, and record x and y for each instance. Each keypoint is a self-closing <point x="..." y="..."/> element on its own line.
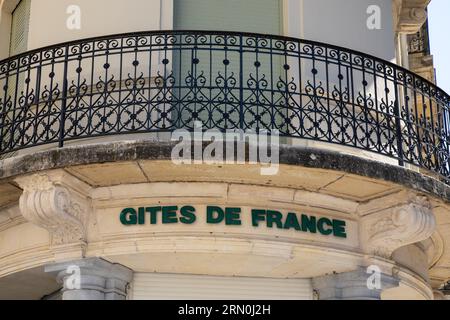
<point x="411" y="15"/>
<point x="57" y="202"/>
<point x="10" y="217"/>
<point x="394" y="221"/>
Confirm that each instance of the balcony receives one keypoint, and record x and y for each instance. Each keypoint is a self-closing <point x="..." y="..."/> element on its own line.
<point x="152" y="82"/>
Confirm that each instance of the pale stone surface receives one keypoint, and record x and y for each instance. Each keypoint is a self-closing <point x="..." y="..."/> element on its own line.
<point x="413" y="257"/>
<point x="198" y="248"/>
<point x="311" y="179"/>
<point x="9" y="194"/>
<point x="109" y="173"/>
<point x="243" y="250"/>
<point x="386" y="227"/>
<point x="116" y="195"/>
<point x="21" y="237"/>
<point x="439" y="270"/>
<point x="232" y="256"/>
<point x="58" y="203"/>
<point x="240" y="192"/>
<point x="357" y="188"/>
<point x="326" y="201"/>
<point x="439" y="295"/>
<point x="10" y="217"/>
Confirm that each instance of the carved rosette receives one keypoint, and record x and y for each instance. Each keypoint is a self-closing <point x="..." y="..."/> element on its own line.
<point x="55" y="206"/>
<point x="386" y="229"/>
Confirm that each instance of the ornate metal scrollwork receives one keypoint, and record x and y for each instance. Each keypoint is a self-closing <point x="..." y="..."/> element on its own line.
<point x="160" y="81"/>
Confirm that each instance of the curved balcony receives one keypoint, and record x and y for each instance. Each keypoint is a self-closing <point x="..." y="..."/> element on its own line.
<point x="159" y="81"/>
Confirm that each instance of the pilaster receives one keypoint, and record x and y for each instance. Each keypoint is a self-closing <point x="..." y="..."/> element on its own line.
<point x="92" y="279"/>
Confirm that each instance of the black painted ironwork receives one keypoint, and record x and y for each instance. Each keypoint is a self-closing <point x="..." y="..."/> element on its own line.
<point x="163" y="80"/>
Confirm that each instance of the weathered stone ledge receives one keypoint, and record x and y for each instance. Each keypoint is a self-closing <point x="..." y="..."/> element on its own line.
<point x="154" y="150"/>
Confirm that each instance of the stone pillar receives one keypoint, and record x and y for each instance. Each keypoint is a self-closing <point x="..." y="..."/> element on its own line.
<point x="351" y="286"/>
<point x="92" y="279"/>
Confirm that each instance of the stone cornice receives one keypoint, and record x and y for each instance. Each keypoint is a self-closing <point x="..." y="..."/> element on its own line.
<point x="410" y="15"/>
<point x="11" y="217"/>
<point x="138" y="150"/>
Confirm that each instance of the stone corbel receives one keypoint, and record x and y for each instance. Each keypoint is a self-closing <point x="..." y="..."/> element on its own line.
<point x="411" y="15"/>
<point x="57" y="202"/>
<point x="394" y="221"/>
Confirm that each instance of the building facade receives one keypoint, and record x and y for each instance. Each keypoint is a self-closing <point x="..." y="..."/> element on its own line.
<point x="96" y="95"/>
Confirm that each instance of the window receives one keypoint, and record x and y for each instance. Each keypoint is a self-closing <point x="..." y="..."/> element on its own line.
<point x="210" y="72"/>
<point x="19" y="28"/>
<point x="263" y="16"/>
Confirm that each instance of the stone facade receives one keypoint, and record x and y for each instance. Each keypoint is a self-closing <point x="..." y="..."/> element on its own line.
<point x="78" y="205"/>
<point x="61" y="209"/>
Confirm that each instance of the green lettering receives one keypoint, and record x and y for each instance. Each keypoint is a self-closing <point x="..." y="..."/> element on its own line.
<point x="141" y="215"/>
<point x="232" y="216"/>
<point x="339" y="229"/>
<point x="258" y="215"/>
<point x="274" y="217"/>
<point x="187" y="215"/>
<point x="308" y="223"/>
<point x="153" y="213"/>
<point x="320" y="226"/>
<point x="210" y="218"/>
<point x="128" y="216"/>
<point x="292" y="222"/>
<point x="169" y="214"/>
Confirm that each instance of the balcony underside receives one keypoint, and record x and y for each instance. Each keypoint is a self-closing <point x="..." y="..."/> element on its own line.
<point x="294" y="162"/>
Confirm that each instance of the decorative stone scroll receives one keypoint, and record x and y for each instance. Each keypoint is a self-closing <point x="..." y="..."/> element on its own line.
<point x="394" y="221"/>
<point x="57" y="202"/>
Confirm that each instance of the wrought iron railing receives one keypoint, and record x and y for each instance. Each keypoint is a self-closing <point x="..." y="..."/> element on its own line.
<point x="420" y="41"/>
<point x="160" y="81"/>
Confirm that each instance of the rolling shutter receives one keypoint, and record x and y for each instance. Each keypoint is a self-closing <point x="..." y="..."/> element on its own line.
<point x="157" y="286"/>
<point x="18" y="44"/>
<point x="260" y="16"/>
<point x="19" y="28"/>
<point x="263" y="16"/>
